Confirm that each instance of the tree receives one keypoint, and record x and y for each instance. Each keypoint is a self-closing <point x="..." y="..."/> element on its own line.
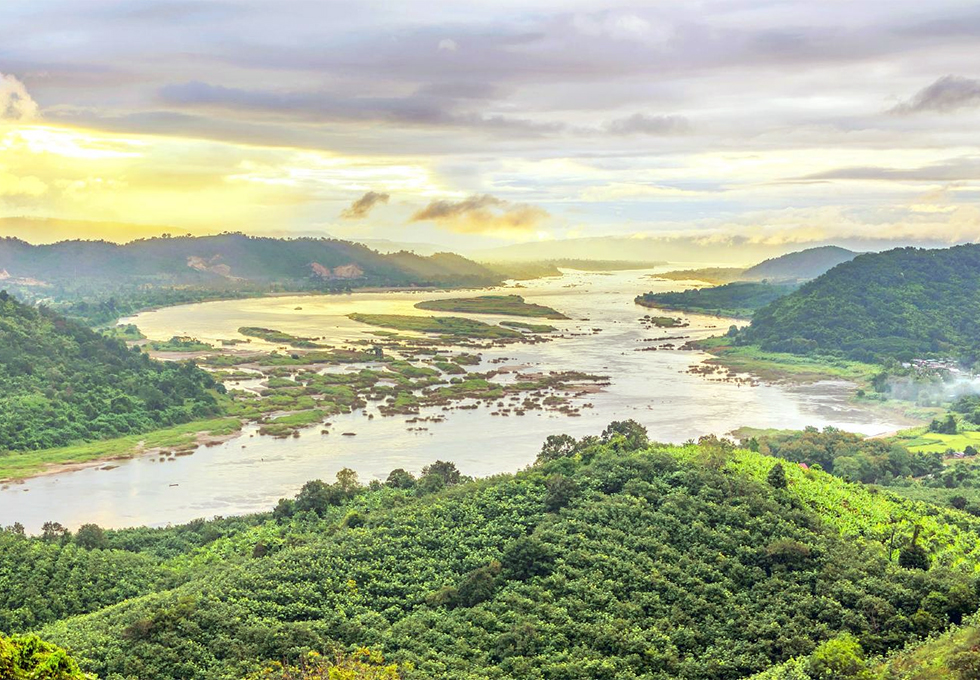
<point x="559" y="491"/>
<point x="316" y="496"/>
<point x="557" y="446"/>
<point x="777" y="476"/>
<point x="526" y="557"/>
<point x="448" y="471"/>
<point x="626" y="435"/>
<point x="400" y="479"/>
<point x="914" y="556"/>
<point x="347" y="481"/>
<point x="54" y="532"/>
<point x="839" y="659"/>
<point x="90" y="537"/>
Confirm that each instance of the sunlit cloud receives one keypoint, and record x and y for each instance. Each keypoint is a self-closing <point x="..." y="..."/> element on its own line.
<point x="363" y="206"/>
<point x="483" y="214"/>
<point x="15" y="102"/>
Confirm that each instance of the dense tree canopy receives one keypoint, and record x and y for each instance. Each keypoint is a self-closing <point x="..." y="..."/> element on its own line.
<point x="609" y="558"/>
<point x="61" y="383"/>
<point x="903" y="303"/>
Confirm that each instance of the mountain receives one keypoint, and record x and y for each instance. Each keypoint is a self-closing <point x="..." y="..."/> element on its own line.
<point x="61" y="383"/>
<point x="654" y="249"/>
<point x="799" y="266"/>
<point x="903" y="303"/>
<point x="232" y="257"/>
<point x="610" y="557"/>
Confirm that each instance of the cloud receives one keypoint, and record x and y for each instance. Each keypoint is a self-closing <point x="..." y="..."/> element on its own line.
<point x="362" y="207"/>
<point x="645" y="124"/>
<point x="482" y="214"/>
<point x="949" y="93"/>
<point x="15" y="102"/>
<point x="448" y="45"/>
<point x="961" y="169"/>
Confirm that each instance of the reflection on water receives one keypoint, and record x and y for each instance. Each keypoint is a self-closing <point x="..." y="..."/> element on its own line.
<point x="250" y="473"/>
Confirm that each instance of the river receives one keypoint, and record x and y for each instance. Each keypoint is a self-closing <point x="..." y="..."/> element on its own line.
<point x="249" y="473"/>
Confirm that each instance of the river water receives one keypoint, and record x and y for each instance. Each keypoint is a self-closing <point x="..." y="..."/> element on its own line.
<point x="249" y="473"/>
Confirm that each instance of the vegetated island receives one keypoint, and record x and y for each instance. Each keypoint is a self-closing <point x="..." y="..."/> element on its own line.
<point x="737" y="557"/>
<point x="279" y="337"/>
<point x="735" y="300"/>
<point x="452" y="326"/>
<point x="510" y="305"/>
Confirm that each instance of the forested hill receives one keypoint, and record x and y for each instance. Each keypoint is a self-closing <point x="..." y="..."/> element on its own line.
<point x="62" y="383"/>
<point x="902" y="303"/>
<point x="609" y="558"/>
<point x="232" y="258"/>
<point x="799" y="266"/>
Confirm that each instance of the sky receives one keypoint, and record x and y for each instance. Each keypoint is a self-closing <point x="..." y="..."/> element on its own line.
<point x="484" y="123"/>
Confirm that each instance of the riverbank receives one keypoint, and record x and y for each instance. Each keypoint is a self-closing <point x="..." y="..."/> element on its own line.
<point x="171" y="441"/>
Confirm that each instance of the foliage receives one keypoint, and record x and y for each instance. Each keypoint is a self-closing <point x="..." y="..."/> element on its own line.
<point x="658" y="563"/>
<point x="901" y="304"/>
<point x="363" y="664"/>
<point x="27" y="657"/>
<point x="61" y="383"/>
<point x="738" y="299"/>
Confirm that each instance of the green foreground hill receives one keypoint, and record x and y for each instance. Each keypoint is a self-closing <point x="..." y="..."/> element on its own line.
<point x="610" y="558"/>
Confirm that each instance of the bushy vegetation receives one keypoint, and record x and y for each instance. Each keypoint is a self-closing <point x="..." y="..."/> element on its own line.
<point x="739" y="299"/>
<point x="901" y="304"/>
<point x="62" y="383"/>
<point x="27" y="657"/>
<point x="610" y="558"/>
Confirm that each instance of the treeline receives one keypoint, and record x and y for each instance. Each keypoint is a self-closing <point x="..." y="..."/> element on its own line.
<point x="61" y="383"/>
<point x="611" y="557"/>
<point x="739" y="299"/>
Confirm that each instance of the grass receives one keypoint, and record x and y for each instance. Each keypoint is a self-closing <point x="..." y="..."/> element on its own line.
<point x="779" y="365"/>
<point x="665" y="321"/>
<point x="453" y="326"/>
<point x="932" y="659"/>
<point x="286" y="425"/>
<point x="920" y="440"/>
<point x="510" y="305"/>
<point x="20" y="465"/>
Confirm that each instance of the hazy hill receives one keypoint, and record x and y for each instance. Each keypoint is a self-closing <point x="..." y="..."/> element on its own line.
<point x="799" y="266"/>
<point x="233" y="257"/>
<point x="901" y="303"/>
<point x="62" y="383"/>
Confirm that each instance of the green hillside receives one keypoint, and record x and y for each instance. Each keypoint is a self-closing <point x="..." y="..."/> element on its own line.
<point x="903" y="303"/>
<point x="61" y="383"/>
<point x="609" y="558"/>
<point x="739" y="299"/>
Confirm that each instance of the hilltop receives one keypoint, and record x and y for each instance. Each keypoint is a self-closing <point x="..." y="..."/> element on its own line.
<point x="610" y="557"/>
<point x="902" y="303"/>
<point x="799" y="266"/>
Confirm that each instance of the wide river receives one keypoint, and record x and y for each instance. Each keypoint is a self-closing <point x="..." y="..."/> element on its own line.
<point x="249" y="473"/>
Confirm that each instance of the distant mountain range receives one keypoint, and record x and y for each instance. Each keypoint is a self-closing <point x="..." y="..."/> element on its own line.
<point x="798" y="266"/>
<point x="188" y="260"/>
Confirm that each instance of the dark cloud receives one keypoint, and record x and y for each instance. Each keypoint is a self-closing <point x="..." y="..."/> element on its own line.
<point x="362" y="207"/>
<point x="482" y="214"/>
<point x="644" y="124"/>
<point x="422" y="108"/>
<point x="946" y="94"/>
